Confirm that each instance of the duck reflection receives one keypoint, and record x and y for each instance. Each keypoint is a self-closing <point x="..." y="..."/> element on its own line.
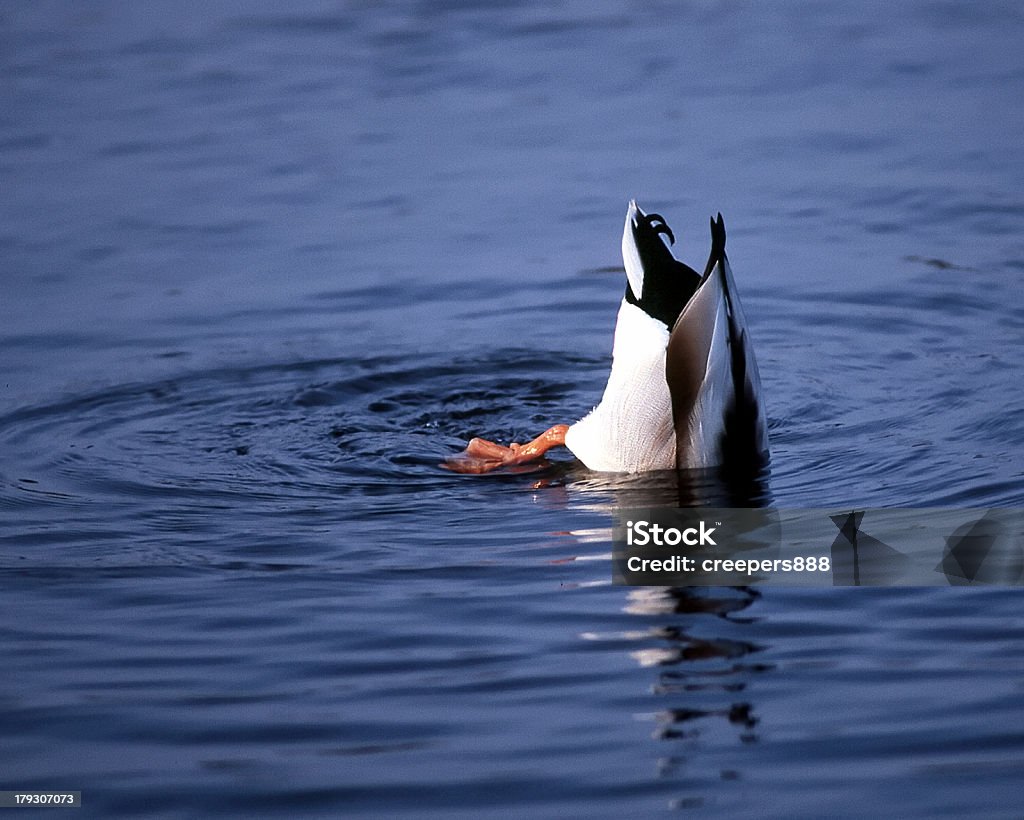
<point x="698" y="668"/>
<point x="695" y="640"/>
<point x="573" y="485"/>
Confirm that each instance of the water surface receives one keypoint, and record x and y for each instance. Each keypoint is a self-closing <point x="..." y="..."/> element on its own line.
<point x="262" y="269"/>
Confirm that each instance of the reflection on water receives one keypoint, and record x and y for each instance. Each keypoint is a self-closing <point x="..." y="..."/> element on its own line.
<point x="683" y="488"/>
<point x="699" y="680"/>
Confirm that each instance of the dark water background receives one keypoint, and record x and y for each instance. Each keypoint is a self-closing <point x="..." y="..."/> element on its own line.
<point x="262" y="266"/>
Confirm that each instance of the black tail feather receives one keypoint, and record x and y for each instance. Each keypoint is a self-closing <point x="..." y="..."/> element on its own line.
<point x="717" y="245"/>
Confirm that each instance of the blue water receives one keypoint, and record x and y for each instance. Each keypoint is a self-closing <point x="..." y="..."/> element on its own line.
<point x="263" y="267"/>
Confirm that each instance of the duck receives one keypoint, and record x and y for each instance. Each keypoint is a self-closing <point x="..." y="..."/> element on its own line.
<point x="684" y="391"/>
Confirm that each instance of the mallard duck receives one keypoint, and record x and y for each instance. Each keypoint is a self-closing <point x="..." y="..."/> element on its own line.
<point x="684" y="390"/>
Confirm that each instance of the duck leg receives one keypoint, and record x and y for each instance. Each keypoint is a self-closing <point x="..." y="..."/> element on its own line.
<point x="483" y="456"/>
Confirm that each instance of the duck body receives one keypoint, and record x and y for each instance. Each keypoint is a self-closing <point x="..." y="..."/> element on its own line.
<point x="684" y="389"/>
<point x="631" y="430"/>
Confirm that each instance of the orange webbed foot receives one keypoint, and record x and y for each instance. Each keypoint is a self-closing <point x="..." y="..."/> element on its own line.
<point x="483" y="456"/>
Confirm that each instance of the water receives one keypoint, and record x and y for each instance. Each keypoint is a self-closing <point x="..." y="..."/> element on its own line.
<point x="262" y="269"/>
